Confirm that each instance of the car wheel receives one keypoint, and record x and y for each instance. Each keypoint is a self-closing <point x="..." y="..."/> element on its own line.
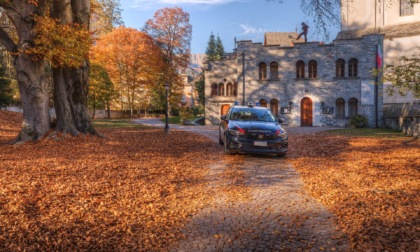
<point x="227" y="150"/>
<point x="281" y="155"/>
<point x="220" y="139"/>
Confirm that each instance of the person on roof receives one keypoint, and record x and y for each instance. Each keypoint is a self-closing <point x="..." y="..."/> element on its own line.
<point x="304" y="32"/>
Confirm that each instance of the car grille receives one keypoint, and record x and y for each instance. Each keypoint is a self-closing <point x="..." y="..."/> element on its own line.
<point x="261" y="137"/>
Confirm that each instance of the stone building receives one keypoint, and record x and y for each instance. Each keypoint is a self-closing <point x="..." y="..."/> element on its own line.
<point x="307" y="84"/>
<point x="398" y="20"/>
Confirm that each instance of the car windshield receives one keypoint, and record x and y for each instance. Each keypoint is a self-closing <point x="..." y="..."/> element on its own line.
<point x="251" y="114"/>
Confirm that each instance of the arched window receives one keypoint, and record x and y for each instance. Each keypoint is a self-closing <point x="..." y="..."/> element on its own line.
<point x="235" y="89"/>
<point x="274" y="71"/>
<point x="221" y="89"/>
<point x="352" y="107"/>
<point x="274" y="107"/>
<point x="229" y="89"/>
<point x="339" y="108"/>
<point x="312" y="69"/>
<point x="213" y="89"/>
<point x="263" y="71"/>
<point x="300" y="69"/>
<point x="263" y="103"/>
<point x="353" y="68"/>
<point x="339" y="68"/>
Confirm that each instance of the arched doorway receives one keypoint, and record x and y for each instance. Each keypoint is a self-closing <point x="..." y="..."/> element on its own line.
<point x="306" y="112"/>
<point x="274" y="107"/>
<point x="224" y="109"/>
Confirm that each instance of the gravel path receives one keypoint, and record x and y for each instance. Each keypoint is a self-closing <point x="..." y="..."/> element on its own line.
<point x="261" y="208"/>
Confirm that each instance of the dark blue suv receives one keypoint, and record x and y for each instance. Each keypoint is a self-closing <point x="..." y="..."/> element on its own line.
<point x="252" y="129"/>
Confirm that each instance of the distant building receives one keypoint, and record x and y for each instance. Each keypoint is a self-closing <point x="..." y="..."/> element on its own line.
<point x="190" y="75"/>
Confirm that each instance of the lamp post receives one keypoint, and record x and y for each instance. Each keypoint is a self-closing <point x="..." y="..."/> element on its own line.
<point x="166" y="109"/>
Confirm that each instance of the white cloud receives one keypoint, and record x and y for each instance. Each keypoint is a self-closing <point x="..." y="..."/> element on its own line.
<point x="248" y="29"/>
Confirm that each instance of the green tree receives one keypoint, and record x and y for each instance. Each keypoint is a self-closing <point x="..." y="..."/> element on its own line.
<point x="404" y="77"/>
<point x="211" y="48"/>
<point x="6" y="91"/>
<point x="199" y="87"/>
<point x="220" y="50"/>
<point x="101" y="89"/>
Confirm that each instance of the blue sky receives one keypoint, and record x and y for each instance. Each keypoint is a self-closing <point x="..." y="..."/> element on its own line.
<point x="245" y="19"/>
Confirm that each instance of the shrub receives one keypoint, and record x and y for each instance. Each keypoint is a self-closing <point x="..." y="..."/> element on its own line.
<point x="359" y="121"/>
<point x="186" y="115"/>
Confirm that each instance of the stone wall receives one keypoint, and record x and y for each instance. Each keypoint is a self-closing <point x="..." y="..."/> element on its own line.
<point x="290" y="91"/>
<point x="403" y="117"/>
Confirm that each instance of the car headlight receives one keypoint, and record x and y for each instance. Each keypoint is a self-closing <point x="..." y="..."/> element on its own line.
<point x="238" y="132"/>
<point x="281" y="133"/>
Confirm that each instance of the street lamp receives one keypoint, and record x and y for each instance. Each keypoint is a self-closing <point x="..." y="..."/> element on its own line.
<point x="166" y="110"/>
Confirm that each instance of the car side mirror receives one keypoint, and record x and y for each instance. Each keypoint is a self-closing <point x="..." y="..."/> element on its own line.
<point x="280" y="120"/>
<point x="223" y="118"/>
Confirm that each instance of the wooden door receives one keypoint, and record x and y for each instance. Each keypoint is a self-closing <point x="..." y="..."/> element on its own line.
<point x="224" y="109"/>
<point x="306" y="112"/>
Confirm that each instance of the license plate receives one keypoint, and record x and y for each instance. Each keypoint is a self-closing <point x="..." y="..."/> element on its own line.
<point x="256" y="143"/>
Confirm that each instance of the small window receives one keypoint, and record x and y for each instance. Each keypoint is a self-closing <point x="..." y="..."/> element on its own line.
<point x="262" y="71"/>
<point x="300" y="69"/>
<point x="353" y="107"/>
<point x="229" y="89"/>
<point x="274" y="71"/>
<point x="353" y="68"/>
<point x="213" y="89"/>
<point x="263" y="103"/>
<point x="312" y="69"/>
<point x="339" y="108"/>
<point x="221" y="89"/>
<point x="406" y="8"/>
<point x="339" y="68"/>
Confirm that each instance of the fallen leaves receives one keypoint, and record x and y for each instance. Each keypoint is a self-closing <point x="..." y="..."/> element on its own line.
<point x="370" y="184"/>
<point x="133" y="190"/>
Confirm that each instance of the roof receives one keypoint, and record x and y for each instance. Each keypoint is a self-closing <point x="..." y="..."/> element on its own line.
<point x="281" y="38"/>
<point x="391" y="31"/>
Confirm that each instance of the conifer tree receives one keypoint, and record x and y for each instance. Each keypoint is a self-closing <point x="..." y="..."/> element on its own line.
<point x="220" y="50"/>
<point x="211" y="48"/>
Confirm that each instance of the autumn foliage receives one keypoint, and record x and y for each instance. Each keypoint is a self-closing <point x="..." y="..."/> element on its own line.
<point x="62" y="45"/>
<point x="133" y="62"/>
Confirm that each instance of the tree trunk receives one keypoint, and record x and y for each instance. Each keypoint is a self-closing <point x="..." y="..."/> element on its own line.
<point x="30" y="73"/>
<point x="33" y="87"/>
<point x="70" y="94"/>
<point x="71" y="84"/>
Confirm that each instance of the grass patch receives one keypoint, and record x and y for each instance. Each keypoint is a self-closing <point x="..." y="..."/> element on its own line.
<point x="368" y="132"/>
<point x="115" y="123"/>
<point x="176" y="119"/>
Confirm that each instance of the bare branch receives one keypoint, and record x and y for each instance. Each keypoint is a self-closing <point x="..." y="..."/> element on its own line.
<point x="7" y="41"/>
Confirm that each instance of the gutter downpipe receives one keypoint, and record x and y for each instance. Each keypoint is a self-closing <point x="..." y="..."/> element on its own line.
<point x="243" y="78"/>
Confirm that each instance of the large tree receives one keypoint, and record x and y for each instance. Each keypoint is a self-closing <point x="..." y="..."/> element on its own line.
<point x="171" y="28"/>
<point x="54" y="32"/>
<point x="133" y="61"/>
<point x="106" y="15"/>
